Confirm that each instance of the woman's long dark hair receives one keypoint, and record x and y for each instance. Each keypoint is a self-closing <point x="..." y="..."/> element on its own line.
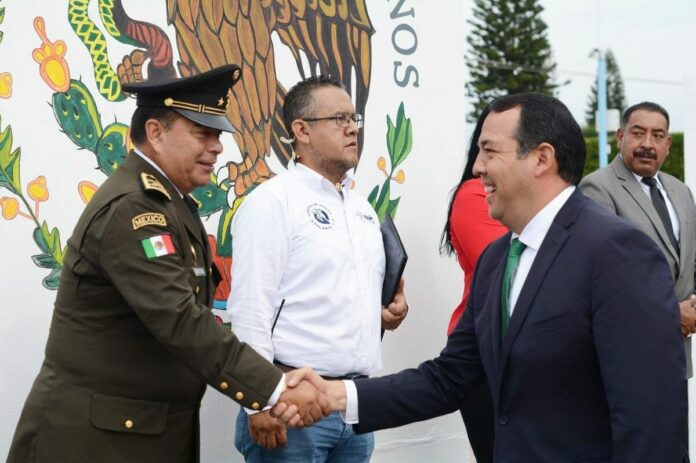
<point x="446" y="238"/>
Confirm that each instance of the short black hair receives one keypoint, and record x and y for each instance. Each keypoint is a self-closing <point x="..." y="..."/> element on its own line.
<point x="544" y="119"/>
<point x="299" y="102"/>
<point x="645" y="106"/>
<point x="142" y="114"/>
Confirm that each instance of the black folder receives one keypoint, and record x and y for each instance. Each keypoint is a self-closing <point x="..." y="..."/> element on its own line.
<point x="396" y="259"/>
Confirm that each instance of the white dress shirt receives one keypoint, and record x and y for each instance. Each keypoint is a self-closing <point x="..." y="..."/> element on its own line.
<point x="673" y="217"/>
<point x="532" y="236"/>
<point x="297" y="239"/>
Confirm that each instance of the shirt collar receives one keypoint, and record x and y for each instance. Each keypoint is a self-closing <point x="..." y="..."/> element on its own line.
<point x="156" y="167"/>
<point x="639" y="179"/>
<point x="316" y="181"/>
<point x="534" y="233"/>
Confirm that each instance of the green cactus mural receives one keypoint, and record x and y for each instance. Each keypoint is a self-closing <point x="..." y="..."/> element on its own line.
<point x="78" y="116"/>
<point x="111" y="147"/>
<point x="211" y="198"/>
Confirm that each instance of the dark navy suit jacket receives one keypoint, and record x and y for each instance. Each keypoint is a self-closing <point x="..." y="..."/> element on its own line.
<point x="592" y="366"/>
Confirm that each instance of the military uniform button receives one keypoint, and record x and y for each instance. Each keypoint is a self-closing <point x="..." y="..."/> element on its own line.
<point x="198" y="289"/>
<point x="224" y="385"/>
<point x="255" y="406"/>
<point x="128" y="424"/>
<point x="239" y="395"/>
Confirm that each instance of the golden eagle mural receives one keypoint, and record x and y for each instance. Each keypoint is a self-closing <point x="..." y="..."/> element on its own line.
<point x="332" y="35"/>
<point x="323" y="36"/>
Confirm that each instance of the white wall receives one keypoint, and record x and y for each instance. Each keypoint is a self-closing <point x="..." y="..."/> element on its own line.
<point x="436" y="108"/>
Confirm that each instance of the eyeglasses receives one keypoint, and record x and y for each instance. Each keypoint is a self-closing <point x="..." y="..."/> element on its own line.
<point x="342" y="120"/>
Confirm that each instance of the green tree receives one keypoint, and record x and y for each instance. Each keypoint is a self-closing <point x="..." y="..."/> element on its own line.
<point x="509" y="51"/>
<point x="616" y="98"/>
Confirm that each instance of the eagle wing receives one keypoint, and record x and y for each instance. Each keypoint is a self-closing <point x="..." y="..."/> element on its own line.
<point x="335" y="37"/>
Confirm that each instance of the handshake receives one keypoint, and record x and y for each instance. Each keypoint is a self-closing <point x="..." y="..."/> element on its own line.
<point x="307" y="398"/>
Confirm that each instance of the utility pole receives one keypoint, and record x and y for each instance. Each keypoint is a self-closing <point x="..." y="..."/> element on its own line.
<point x="602" y="106"/>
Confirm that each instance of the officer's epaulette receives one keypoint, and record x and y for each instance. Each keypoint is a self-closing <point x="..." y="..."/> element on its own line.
<point x="150" y="183"/>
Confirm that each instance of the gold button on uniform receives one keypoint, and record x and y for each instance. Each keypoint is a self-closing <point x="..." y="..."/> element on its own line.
<point x="255" y="406"/>
<point x="239" y="395"/>
<point x="223" y="385"/>
<point x="128" y="424"/>
<point x="198" y="289"/>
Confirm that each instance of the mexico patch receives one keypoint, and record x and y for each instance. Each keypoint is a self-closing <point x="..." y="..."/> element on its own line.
<point x="156" y="246"/>
<point x="149" y="218"/>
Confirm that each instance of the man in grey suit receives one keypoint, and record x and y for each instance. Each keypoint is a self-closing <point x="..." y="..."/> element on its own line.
<point x="633" y="187"/>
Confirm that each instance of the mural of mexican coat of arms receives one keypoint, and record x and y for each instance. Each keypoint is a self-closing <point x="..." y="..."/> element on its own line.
<point x="323" y="36"/>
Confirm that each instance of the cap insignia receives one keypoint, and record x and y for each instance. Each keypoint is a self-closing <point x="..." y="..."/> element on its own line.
<point x="199" y="108"/>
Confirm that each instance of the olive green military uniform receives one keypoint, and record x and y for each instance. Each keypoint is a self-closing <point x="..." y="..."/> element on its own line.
<point x="133" y="342"/>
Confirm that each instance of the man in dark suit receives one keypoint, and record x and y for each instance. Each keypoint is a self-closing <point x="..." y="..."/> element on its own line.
<point x="133" y="342"/>
<point x="571" y="318"/>
<point x="623" y="187"/>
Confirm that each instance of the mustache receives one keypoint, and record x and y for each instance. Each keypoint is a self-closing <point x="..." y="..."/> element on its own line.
<point x="643" y="153"/>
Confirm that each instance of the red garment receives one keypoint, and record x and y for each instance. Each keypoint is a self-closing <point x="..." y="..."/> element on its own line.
<point x="472" y="229"/>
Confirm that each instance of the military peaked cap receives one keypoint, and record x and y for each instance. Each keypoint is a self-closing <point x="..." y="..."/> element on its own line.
<point x="201" y="98"/>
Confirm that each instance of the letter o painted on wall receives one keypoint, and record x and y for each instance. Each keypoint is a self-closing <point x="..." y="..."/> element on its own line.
<point x="407" y="30"/>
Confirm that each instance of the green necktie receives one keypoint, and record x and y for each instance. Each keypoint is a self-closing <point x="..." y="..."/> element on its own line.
<point x="513" y="259"/>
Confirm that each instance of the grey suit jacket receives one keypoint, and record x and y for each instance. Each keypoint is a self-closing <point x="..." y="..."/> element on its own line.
<point x="615" y="188"/>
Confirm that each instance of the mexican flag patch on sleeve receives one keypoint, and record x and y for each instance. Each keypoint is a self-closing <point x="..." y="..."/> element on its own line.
<point x="156" y="246"/>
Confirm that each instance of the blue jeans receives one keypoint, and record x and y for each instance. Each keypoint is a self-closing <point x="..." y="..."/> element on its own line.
<point x="328" y="441"/>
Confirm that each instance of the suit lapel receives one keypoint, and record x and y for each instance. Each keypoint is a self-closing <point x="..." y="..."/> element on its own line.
<point x="494" y="301"/>
<point x="673" y="196"/>
<point x="553" y="243"/>
<point x="631" y="185"/>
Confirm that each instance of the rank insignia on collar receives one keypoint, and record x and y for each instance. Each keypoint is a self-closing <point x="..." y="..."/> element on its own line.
<point x="150" y="183"/>
<point x="149" y="218"/>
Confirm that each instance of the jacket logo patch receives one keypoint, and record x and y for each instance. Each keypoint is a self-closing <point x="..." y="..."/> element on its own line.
<point x="156" y="246"/>
<point x="320" y="216"/>
<point x="149" y="218"/>
<point x="365" y="217"/>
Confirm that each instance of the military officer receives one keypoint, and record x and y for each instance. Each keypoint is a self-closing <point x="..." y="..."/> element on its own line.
<point x="133" y="342"/>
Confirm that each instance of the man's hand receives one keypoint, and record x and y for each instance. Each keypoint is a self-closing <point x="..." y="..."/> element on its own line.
<point x="395" y="313"/>
<point x="687" y="308"/>
<point x="267" y="431"/>
<point x="334" y="391"/>
<point x="301" y="404"/>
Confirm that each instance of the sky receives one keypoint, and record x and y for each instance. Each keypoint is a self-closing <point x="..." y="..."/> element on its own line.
<point x="654" y="43"/>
